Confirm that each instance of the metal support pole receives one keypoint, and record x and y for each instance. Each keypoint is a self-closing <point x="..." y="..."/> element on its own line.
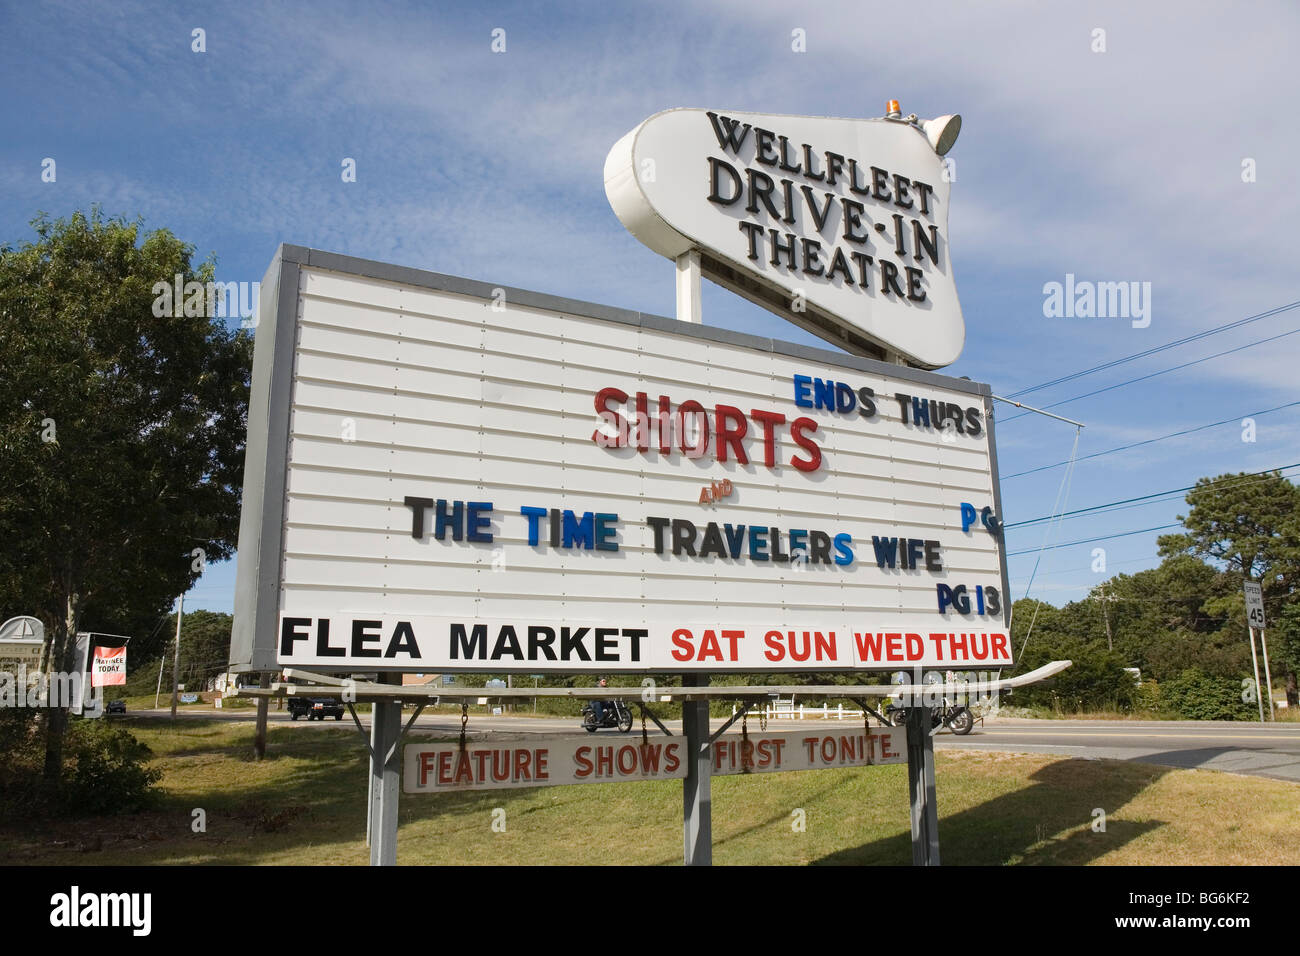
<point x="697" y="809"/>
<point x="1268" y="677"/>
<point x="385" y="784"/>
<point x="688" y="287"/>
<point x="259" y="733"/>
<point x="1254" y="666"/>
<point x="176" y="661"/>
<point x="920" y="785"/>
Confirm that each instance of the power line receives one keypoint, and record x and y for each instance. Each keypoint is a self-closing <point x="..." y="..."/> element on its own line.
<point x="1149" y="441"/>
<point x="1159" y="494"/>
<point x="1143" y="378"/>
<point x="1104" y="537"/>
<point x="1160" y="348"/>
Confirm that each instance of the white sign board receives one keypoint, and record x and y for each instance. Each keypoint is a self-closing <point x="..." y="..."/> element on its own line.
<point x="1254" y="604"/>
<point x="840" y="225"/>
<point x="559" y="761"/>
<point x="538" y="489"/>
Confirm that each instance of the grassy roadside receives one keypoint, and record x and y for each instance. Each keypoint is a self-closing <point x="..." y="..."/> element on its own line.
<point x="305" y="804"/>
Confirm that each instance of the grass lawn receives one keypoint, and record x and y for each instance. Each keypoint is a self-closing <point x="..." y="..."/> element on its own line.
<point x="305" y="804"/>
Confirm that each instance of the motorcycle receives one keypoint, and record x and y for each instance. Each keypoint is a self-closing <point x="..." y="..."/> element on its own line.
<point x="959" y="719"/>
<point x="615" y="714"/>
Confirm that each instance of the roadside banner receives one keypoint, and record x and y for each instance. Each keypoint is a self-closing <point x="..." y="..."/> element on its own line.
<point x="108" y="667"/>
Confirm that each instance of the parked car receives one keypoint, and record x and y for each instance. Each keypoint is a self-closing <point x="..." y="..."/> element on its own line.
<point x="116" y="707"/>
<point x="315" y="708"/>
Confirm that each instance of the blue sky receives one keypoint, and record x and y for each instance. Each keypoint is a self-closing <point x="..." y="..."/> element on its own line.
<point x="1122" y="165"/>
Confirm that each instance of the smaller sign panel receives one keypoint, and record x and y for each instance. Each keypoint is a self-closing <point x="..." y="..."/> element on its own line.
<point x="108" y="667"/>
<point x="1254" y="604"/>
<point x="558" y="761"/>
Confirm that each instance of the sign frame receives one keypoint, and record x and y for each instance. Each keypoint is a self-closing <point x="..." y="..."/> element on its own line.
<point x="261" y="538"/>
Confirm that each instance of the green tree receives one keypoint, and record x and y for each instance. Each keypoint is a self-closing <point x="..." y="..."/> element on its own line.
<point x="122" y="432"/>
<point x="205" y="645"/>
<point x="1250" y="525"/>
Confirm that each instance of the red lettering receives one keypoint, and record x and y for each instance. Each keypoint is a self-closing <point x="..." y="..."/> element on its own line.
<point x="501" y="765"/>
<point x="683" y="651"/>
<point x="769" y="421"/>
<point x="463" y="769"/>
<point x="825" y="646"/>
<point x="444" y="768"/>
<point x="650" y="757"/>
<point x="868" y="646"/>
<point x="849" y="748"/>
<point x="671" y="762"/>
<point x="797" y="429"/>
<point x="665" y="433"/>
<point x="583" y="761"/>
<point x="642" y="422"/>
<point x="730" y="435"/>
<point x="733" y="637"/>
<point x="701" y="429"/>
<point x="775" y="651"/>
<point x="885" y="752"/>
<point x="709" y="646"/>
<point x="603" y="411"/>
<point x="539" y="765"/>
<point x="915" y="647"/>
<point x="1000" y="649"/>
<point x="624" y="766"/>
<point x="427" y="760"/>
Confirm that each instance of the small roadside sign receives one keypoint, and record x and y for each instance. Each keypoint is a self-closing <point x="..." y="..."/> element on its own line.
<point x="1254" y="604"/>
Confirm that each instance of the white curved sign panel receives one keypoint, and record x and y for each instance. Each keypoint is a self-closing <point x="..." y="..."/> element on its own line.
<point x="840" y="225"/>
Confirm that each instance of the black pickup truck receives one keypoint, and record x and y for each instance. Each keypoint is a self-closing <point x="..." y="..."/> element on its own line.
<point x="315" y="708"/>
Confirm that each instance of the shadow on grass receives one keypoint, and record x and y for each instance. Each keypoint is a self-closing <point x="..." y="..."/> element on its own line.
<point x="1049" y="821"/>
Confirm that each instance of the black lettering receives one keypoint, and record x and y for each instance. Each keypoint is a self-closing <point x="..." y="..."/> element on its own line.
<point x="473" y="647"/>
<point x="402" y="641"/>
<point x="571" y="640"/>
<point x="507" y="642"/>
<point x="606" y="646"/>
<point x="362" y="635"/>
<point x="292" y="629"/>
<point x="715" y="193"/>
<point x="417" y="506"/>
<point x="540" y="639"/>
<point x="725" y="129"/>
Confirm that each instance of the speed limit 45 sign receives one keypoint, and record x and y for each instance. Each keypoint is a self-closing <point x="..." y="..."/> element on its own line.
<point x="1254" y="604"/>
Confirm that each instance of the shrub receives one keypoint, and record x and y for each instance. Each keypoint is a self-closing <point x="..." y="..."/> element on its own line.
<point x="104" y="772"/>
<point x="1195" y="695"/>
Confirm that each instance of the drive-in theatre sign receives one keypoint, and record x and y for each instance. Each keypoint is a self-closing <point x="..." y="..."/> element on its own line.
<point x="445" y="475"/>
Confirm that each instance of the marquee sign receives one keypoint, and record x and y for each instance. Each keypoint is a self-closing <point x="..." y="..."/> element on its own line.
<point x="840" y="225"/>
<point x="446" y="476"/>
<point x="559" y="761"/>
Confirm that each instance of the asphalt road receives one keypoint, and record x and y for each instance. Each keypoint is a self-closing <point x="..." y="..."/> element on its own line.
<point x="1268" y="750"/>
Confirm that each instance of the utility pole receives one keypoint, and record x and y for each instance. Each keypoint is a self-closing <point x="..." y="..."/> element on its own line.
<point x="176" y="661"/>
<point x="1110" y="644"/>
